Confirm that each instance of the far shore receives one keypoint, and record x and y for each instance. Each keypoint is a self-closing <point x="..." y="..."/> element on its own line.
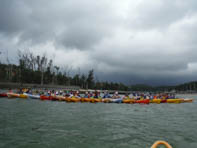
<point x="186" y="94"/>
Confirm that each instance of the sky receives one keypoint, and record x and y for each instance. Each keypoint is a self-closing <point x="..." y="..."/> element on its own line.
<point x="135" y="42"/>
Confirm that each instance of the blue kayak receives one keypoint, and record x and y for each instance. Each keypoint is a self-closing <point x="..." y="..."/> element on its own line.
<point x="33" y="96"/>
<point x="115" y="100"/>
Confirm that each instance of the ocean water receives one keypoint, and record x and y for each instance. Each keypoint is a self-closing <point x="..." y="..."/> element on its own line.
<point x="28" y="123"/>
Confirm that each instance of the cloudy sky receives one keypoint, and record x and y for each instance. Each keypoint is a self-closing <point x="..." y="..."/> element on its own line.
<point x="131" y="41"/>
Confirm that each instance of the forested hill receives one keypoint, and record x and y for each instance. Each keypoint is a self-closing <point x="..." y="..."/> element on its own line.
<point x="41" y="70"/>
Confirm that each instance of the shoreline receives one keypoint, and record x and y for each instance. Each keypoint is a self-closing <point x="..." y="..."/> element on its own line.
<point x="187" y="94"/>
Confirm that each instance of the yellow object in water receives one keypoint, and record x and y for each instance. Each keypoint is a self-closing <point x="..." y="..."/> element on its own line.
<point x="155" y="101"/>
<point x="74" y="99"/>
<point x="23" y="96"/>
<point x="175" y="100"/>
<point x="106" y="100"/>
<point x="12" y="95"/>
<point x="157" y="143"/>
<point x="127" y="101"/>
<point x="188" y="100"/>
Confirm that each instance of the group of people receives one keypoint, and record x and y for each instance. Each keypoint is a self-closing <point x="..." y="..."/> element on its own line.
<point x="98" y="94"/>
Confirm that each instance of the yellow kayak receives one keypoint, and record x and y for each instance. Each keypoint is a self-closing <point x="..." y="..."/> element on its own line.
<point x="74" y="99"/>
<point x="158" y="101"/>
<point x="175" y="100"/>
<point x="95" y="100"/>
<point x="87" y="99"/>
<point x="23" y="96"/>
<point x="107" y="100"/>
<point x="68" y="99"/>
<point x="14" y="95"/>
<point x="128" y="101"/>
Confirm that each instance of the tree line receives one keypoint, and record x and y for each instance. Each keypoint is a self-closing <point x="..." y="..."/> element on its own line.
<point x="36" y="69"/>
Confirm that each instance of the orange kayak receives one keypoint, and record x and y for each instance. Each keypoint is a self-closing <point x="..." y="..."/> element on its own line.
<point x="145" y="101"/>
<point x="68" y="99"/>
<point x="106" y="100"/>
<point x="74" y="99"/>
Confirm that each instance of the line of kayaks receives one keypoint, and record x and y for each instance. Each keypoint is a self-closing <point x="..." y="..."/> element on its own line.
<point x="94" y="100"/>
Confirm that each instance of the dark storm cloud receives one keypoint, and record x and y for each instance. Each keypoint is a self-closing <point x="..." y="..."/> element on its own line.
<point x="77" y="24"/>
<point x="132" y="41"/>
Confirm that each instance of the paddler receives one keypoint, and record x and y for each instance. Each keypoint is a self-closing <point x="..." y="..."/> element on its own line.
<point x="126" y="96"/>
<point x="115" y="96"/>
<point x="97" y="94"/>
<point x="106" y="94"/>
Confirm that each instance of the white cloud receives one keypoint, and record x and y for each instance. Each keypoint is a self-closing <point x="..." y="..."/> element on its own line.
<point x="122" y="40"/>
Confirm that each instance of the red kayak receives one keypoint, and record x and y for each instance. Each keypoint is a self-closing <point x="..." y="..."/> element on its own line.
<point x="42" y="97"/>
<point x="163" y="101"/>
<point x="3" y="95"/>
<point x="145" y="101"/>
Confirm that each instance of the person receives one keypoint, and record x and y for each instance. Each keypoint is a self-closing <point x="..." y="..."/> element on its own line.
<point x="126" y="96"/>
<point x="131" y="95"/>
<point x="57" y="93"/>
<point x="115" y="96"/>
<point x="106" y="94"/>
<point x="71" y="94"/>
<point x="86" y="95"/>
<point x="97" y="94"/>
<point x="10" y="90"/>
<point x="76" y="94"/>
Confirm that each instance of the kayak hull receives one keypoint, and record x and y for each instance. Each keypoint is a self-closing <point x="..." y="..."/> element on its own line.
<point x="3" y="95"/>
<point x="175" y="100"/>
<point x="33" y="96"/>
<point x="115" y="101"/>
<point x="146" y="101"/>
<point x="188" y="100"/>
<point x="158" y="101"/>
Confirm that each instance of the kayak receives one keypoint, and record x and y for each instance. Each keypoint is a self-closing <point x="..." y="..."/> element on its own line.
<point x="74" y="99"/>
<point x="128" y="101"/>
<point x="57" y="98"/>
<point x="42" y="97"/>
<point x="61" y="98"/>
<point x="3" y="95"/>
<point x="95" y="100"/>
<point x="14" y="95"/>
<point x="68" y="99"/>
<point x="115" y="100"/>
<point x="158" y="101"/>
<point x="145" y="101"/>
<point x="164" y="101"/>
<point x="175" y="100"/>
<point x="87" y="99"/>
<point x="188" y="100"/>
<point x="106" y="100"/>
<point x="23" y="96"/>
<point x="33" y="96"/>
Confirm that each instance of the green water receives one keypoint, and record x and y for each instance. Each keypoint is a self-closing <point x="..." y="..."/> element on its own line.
<point x="46" y="124"/>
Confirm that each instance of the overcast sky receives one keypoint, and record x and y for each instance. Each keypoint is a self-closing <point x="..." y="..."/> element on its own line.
<point x="131" y="41"/>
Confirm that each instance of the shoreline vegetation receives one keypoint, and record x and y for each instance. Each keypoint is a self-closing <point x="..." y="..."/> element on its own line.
<point x="35" y="71"/>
